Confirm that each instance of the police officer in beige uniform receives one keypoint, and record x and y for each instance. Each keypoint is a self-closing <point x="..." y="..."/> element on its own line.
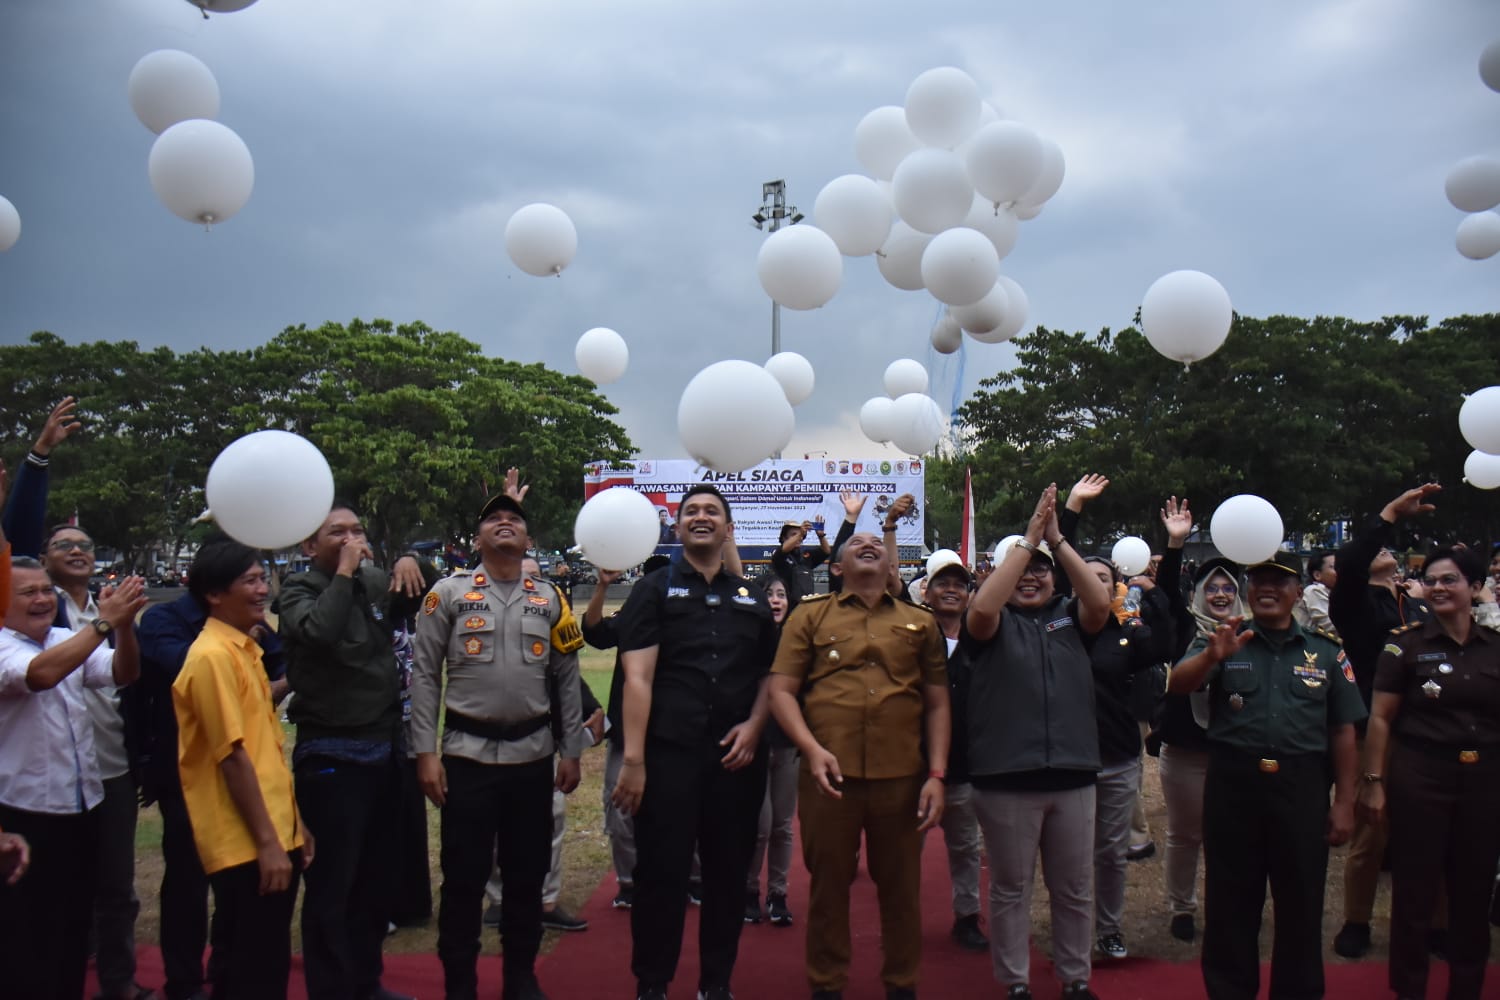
<point x="510" y="644"/>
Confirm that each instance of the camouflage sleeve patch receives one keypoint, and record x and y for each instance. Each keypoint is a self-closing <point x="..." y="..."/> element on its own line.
<point x="567" y="637"/>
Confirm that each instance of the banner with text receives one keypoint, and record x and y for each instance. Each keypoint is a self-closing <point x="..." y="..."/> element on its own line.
<point x="776" y="491"/>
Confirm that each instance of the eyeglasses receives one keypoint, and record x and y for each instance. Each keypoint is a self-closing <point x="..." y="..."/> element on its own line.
<point x="67" y="544"/>
<point x="1216" y="589"/>
<point x="1446" y="580"/>
<point x="1038" y="569"/>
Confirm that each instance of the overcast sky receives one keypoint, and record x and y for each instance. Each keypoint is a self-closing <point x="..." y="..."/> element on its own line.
<point x="1294" y="149"/>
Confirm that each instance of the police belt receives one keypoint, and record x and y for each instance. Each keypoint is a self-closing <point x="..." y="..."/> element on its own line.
<point x="507" y="732"/>
<point x="1467" y="753"/>
<point x="1266" y="762"/>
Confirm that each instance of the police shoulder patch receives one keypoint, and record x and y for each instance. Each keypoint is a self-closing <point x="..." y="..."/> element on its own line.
<point x="1393" y="649"/>
<point x="430" y="602"/>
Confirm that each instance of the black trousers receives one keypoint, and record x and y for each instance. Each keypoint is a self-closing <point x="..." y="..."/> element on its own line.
<point x="495" y="813"/>
<point x="1445" y="829"/>
<point x="412" y="902"/>
<point x="45" y="917"/>
<point x="691" y="799"/>
<point x="351" y="810"/>
<point x="257" y="945"/>
<point x="1260" y="827"/>
<point x="185" y="928"/>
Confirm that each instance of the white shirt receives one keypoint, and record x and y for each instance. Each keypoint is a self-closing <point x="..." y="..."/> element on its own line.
<point x="103" y="703"/>
<point x="47" y="761"/>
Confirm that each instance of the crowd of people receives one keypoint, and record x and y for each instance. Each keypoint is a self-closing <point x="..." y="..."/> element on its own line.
<point x="1007" y="707"/>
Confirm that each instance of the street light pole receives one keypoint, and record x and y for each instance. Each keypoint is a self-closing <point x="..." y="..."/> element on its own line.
<point x="775" y="213"/>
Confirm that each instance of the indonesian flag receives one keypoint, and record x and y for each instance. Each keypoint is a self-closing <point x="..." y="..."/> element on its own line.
<point x="966" y="550"/>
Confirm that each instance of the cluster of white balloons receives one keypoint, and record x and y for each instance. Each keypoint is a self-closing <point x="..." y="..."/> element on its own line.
<point x="201" y="170"/>
<point x="616" y="528"/>
<point x="540" y="239"/>
<point x="1479" y="422"/>
<point x="270" y="489"/>
<point x="1473" y="185"/>
<point x="1186" y="315"/>
<point x="905" y="416"/>
<point x="948" y="183"/>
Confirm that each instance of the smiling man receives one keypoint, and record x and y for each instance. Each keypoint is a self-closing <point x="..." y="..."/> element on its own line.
<point x="695" y="644"/>
<point x="1283" y="704"/>
<point x="51" y="790"/>
<point x="235" y="782"/>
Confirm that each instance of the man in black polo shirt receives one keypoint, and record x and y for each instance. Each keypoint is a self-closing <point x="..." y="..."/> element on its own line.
<point x="696" y="643"/>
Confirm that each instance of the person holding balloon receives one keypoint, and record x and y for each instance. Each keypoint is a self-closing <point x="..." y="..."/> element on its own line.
<point x="1282" y="709"/>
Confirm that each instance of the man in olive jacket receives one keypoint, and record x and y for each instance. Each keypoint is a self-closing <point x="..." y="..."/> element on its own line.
<point x="342" y="668"/>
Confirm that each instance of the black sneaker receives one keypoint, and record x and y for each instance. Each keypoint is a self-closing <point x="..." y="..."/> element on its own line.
<point x="695" y="891"/>
<point x="529" y="989"/>
<point x="560" y="919"/>
<point x="716" y="993"/>
<point x="1141" y="853"/>
<point x="968" y="935"/>
<point x="1352" y="941"/>
<point x="752" y="908"/>
<point x="1184" y="927"/>
<point x="1112" y="946"/>
<point x="651" y="993"/>
<point x="776" y="906"/>
<point x="1079" y="991"/>
<point x="1018" y="991"/>
<point x="624" y="897"/>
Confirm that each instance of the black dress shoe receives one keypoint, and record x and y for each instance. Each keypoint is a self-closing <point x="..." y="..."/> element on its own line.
<point x="968" y="935"/>
<point x="1184" y="928"/>
<point x="1352" y="941"/>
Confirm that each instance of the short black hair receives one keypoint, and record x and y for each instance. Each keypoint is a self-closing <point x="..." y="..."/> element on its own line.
<point x="339" y="503"/>
<point x="654" y="563"/>
<point x="699" y="490"/>
<point x="65" y="526"/>
<point x="26" y="562"/>
<point x="787" y="529"/>
<point x="1114" y="571"/>
<point x="1316" y="560"/>
<point x="1469" y="564"/>
<point x="219" y="562"/>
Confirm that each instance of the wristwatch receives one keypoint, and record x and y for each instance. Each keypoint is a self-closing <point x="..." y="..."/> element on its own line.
<point x="103" y="627"/>
<point x="1371" y="778"/>
<point x="1023" y="543"/>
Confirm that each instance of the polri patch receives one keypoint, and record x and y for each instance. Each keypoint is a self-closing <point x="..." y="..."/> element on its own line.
<point x="539" y="601"/>
<point x="472" y="645"/>
<point x="430" y="603"/>
<point x="538" y="648"/>
<point x="528" y="584"/>
<point x="480" y="579"/>
<point x="474" y="622"/>
<point x="473" y="595"/>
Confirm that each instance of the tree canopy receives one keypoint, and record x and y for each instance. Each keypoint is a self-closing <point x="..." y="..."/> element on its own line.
<point x="1327" y="418"/>
<point x="417" y="425"/>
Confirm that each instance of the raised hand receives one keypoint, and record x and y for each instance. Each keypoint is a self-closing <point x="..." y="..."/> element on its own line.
<point x="513" y="487"/>
<point x="1228" y="640"/>
<point x="1044" y="517"/>
<point x="1177" y="519"/>
<point x="1411" y="503"/>
<point x="61" y="423"/>
<point x="1086" y="489"/>
<point x="853" y="502"/>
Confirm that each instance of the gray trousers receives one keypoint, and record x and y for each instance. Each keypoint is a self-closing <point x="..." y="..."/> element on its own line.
<point x="1182" y="776"/>
<point x="552" y="884"/>
<point x="773" y="838"/>
<point x="961" y="837"/>
<point x="619" y="825"/>
<point x="1140" y="827"/>
<point x="1114" y="798"/>
<point x="1061" y="825"/>
<point x="115" y="902"/>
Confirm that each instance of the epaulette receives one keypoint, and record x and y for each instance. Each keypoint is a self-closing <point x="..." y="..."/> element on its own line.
<point x="1329" y="636"/>
<point x="461" y="571"/>
<point x="1405" y="628"/>
<point x="808" y="599"/>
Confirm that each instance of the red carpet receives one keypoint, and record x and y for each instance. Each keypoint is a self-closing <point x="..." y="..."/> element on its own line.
<point x="596" y="963"/>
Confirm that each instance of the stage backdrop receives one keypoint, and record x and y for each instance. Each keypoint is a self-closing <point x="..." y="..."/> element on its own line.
<point x="774" y="492"/>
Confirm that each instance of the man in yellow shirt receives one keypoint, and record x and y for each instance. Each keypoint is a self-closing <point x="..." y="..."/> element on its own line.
<point x="235" y="781"/>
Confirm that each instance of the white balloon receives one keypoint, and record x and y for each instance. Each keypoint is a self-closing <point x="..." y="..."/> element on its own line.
<point x="947" y="335"/>
<point x="1479" y="420"/>
<point x="904" y="376"/>
<point x="201" y="170"/>
<point x="1489" y="65"/>
<point x="617" y="528"/>
<point x="1247" y="529"/>
<point x="794" y="373"/>
<point x="959" y="266"/>
<point x="602" y="356"/>
<point x="855" y="213"/>
<point x="800" y="267"/>
<point x="1004" y="160"/>
<point x="900" y="260"/>
<point x="1017" y="308"/>
<point x="916" y="423"/>
<point x="10" y="224"/>
<point x="877" y="417"/>
<point x="985" y="316"/>
<point x="1473" y="185"/>
<point x="220" y="6"/>
<point x="1482" y="470"/>
<point x="1186" y="316"/>
<point x="1000" y="225"/>
<point x="169" y="86"/>
<point x="1026" y="212"/>
<point x="1478" y="236"/>
<point x="882" y="139"/>
<point x="1131" y="555"/>
<point x="931" y="190"/>
<point x="943" y="106"/>
<point x="988" y="113"/>
<point x="1048" y="180"/>
<point x="732" y="415"/>
<point x="270" y="489"/>
<point x="540" y="239"/>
